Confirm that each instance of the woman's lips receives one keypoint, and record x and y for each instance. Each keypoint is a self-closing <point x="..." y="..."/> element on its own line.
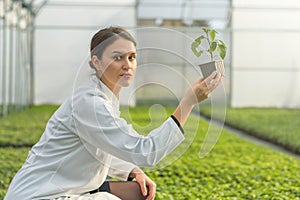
<point x="126" y="75"/>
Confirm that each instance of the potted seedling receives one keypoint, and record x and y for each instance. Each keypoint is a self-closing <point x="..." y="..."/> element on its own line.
<point x="216" y="48"/>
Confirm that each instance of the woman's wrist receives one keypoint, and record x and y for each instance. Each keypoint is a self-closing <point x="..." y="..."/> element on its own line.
<point x="188" y="103"/>
<point x="134" y="172"/>
<point x="183" y="110"/>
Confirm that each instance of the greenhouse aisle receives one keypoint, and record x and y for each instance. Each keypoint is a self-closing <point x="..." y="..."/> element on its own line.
<point x="250" y="138"/>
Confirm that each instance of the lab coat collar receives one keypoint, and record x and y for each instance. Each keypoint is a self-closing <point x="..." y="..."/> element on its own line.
<point x="109" y="94"/>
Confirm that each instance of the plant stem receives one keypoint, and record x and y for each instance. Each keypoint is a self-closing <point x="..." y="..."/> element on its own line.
<point x="209" y="43"/>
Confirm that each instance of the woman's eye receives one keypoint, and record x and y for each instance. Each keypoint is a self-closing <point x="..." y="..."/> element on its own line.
<point x="133" y="57"/>
<point x="118" y="58"/>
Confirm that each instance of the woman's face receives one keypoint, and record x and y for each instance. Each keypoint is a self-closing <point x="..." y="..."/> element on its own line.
<point x="118" y="64"/>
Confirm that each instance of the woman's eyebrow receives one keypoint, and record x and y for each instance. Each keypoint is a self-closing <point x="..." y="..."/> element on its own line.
<point x="119" y="52"/>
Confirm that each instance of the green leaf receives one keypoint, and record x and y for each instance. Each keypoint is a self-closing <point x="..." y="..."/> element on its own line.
<point x="199" y="39"/>
<point x="222" y="51"/>
<point x="213" y="46"/>
<point x="205" y="29"/>
<point x="222" y="43"/>
<point x="194" y="47"/>
<point x="212" y="34"/>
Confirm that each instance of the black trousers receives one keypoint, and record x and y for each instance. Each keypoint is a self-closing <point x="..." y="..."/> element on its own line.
<point x="103" y="188"/>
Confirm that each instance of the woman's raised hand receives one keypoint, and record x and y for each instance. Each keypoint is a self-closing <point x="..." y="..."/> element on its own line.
<point x="199" y="91"/>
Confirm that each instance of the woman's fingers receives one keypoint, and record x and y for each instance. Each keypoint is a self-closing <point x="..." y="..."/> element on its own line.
<point x="215" y="82"/>
<point x="151" y="190"/>
<point x="206" y="86"/>
<point x="212" y="81"/>
<point x="143" y="187"/>
<point x="201" y="89"/>
<point x="148" y="187"/>
<point x="210" y="78"/>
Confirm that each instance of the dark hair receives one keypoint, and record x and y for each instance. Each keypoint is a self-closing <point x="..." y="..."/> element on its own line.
<point x="105" y="37"/>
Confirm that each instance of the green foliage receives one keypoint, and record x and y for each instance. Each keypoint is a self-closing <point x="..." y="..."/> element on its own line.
<point x="25" y="127"/>
<point x="215" y="45"/>
<point x="11" y="160"/>
<point x="280" y="126"/>
<point x="234" y="169"/>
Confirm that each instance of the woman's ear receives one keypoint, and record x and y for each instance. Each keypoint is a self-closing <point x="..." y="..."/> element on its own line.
<point x="96" y="63"/>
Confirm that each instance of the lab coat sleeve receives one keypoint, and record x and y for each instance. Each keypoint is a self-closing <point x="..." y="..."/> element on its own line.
<point x="120" y="169"/>
<point x="96" y="124"/>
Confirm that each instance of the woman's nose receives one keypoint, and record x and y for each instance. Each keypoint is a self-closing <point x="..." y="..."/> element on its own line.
<point x="127" y="64"/>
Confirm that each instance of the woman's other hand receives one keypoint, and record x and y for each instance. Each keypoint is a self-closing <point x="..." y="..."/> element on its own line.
<point x="148" y="187"/>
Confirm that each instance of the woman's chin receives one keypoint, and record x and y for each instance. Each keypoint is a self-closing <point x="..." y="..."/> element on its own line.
<point x="125" y="83"/>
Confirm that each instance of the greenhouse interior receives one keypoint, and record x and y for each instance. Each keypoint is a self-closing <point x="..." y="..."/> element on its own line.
<point x="50" y="38"/>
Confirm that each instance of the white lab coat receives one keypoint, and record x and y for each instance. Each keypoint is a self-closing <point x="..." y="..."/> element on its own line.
<point x="85" y="141"/>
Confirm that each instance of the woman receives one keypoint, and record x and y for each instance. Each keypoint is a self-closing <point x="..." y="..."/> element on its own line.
<point x="86" y="140"/>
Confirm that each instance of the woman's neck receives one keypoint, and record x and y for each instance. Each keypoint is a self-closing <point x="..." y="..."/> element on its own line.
<point x="113" y="88"/>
